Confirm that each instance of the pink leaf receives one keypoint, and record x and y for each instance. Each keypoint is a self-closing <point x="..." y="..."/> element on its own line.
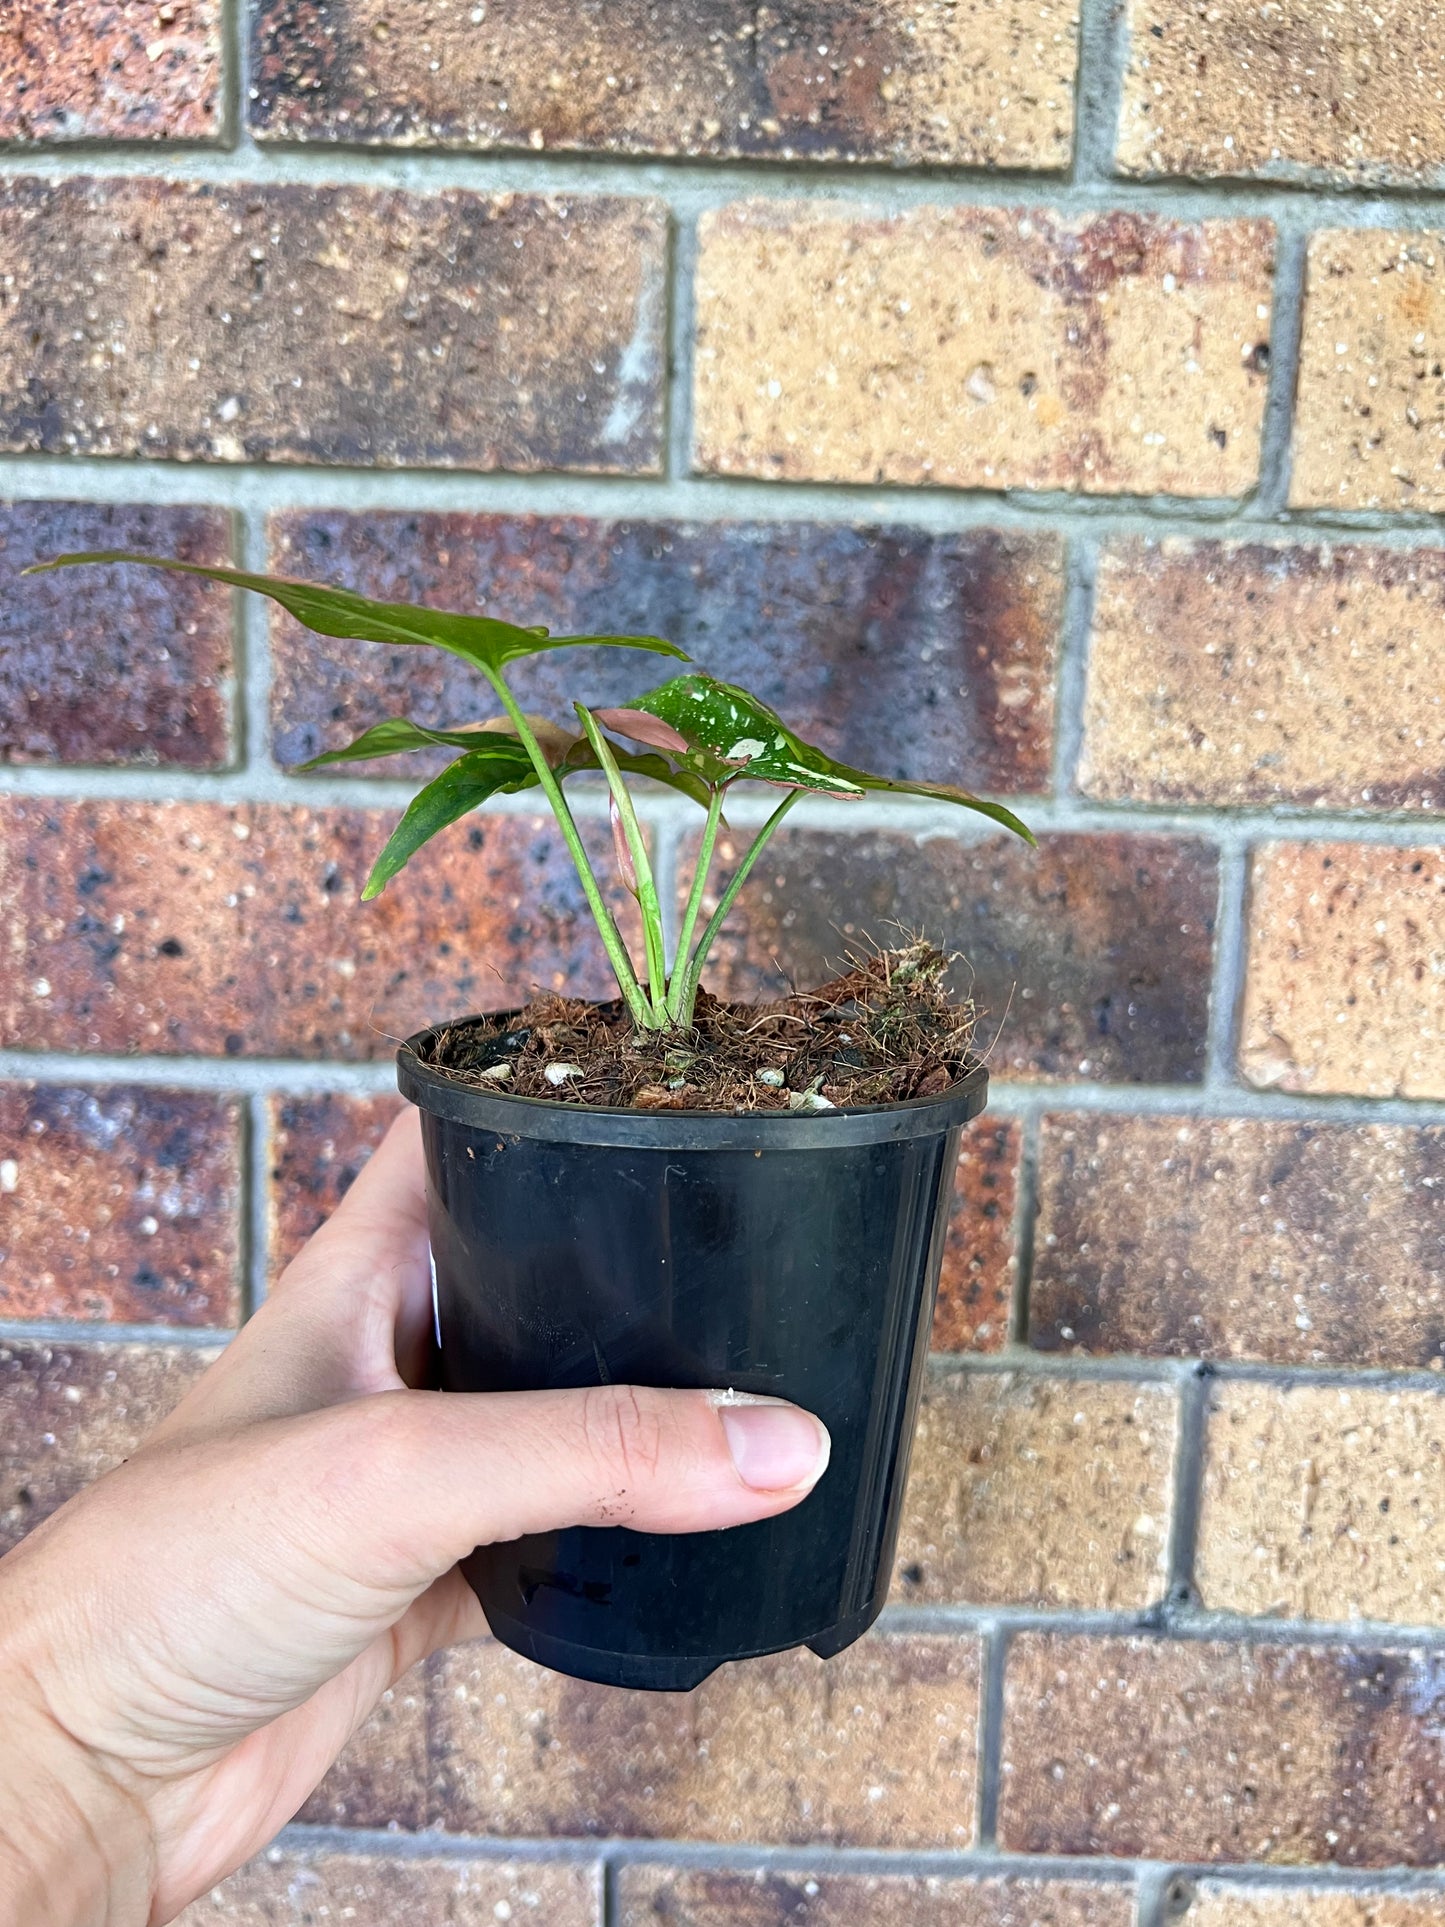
<point x="619" y="845"/>
<point x="642" y="728"/>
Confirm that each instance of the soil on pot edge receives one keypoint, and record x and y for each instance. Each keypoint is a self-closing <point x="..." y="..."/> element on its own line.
<point x="882" y="1033"/>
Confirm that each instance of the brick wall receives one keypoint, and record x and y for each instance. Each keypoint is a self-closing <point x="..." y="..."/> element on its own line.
<point x="1080" y="377"/>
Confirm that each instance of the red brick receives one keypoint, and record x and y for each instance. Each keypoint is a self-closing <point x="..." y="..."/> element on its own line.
<point x="111" y="70"/>
<point x="300" y="1888"/>
<point x="1241" y="1238"/>
<point x="975" y="1289"/>
<point x="119" y="1203"/>
<point x="383" y="1777"/>
<point x="1090" y="956"/>
<point x="954" y="637"/>
<point x="778" y="1897"/>
<point x="1211" y="1751"/>
<point x="68" y="1413"/>
<point x="331" y="324"/>
<point x="1217" y="1903"/>
<point x="276" y="954"/>
<point x="975" y="347"/>
<point x="318" y="1145"/>
<point x="115" y="665"/>
<point x="897" y="83"/>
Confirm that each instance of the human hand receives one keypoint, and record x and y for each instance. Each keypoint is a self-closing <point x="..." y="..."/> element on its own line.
<point x="187" y="1646"/>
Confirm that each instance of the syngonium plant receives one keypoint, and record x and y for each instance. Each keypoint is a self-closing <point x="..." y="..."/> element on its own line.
<point x="698" y="736"/>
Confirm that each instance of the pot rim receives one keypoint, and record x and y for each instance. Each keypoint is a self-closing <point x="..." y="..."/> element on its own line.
<point x="511" y="1116"/>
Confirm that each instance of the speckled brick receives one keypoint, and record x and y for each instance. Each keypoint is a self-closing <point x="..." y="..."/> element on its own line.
<point x="1216" y="1903"/>
<point x="299" y="1888"/>
<point x="237" y="929"/>
<point x="1033" y="1491"/>
<point x="980" y="1259"/>
<point x="1241" y="1238"/>
<point x="294" y="323"/>
<point x="779" y="1897"/>
<point x="1254" y="674"/>
<point x="1215" y="1751"/>
<point x="111" y="70"/>
<point x="1089" y="957"/>
<point x="1345" y="968"/>
<point x="954" y="636"/>
<point x="1370" y="417"/>
<point x="974" y="347"/>
<point x="876" y="1748"/>
<point x="319" y="1144"/>
<point x="1324" y="1502"/>
<point x="68" y="1413"/>
<point x="119" y="1202"/>
<point x="115" y="665"/>
<point x="975" y="85"/>
<point x="1351" y="93"/>
<point x="383" y="1777"/>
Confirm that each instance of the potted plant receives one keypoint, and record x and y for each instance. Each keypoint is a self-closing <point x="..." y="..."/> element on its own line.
<point x="669" y="1189"/>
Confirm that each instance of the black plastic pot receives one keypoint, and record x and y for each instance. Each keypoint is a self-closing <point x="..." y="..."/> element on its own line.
<point x="796" y="1256"/>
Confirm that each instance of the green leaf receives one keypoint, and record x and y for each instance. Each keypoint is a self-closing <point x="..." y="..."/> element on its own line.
<point x="395" y="737"/>
<point x="482" y="640"/>
<point x="722" y="725"/>
<point x="461" y="787"/>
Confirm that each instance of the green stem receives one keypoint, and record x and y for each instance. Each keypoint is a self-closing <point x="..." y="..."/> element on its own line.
<point x="694" y="903"/>
<point x="611" y="936"/>
<point x="646" y="892"/>
<point x="693" y="977"/>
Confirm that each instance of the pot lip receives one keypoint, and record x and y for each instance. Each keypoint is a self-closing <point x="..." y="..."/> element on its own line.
<point x="536" y="1117"/>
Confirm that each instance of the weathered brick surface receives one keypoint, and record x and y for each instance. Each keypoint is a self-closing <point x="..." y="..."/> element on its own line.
<point x="975" y="1287"/>
<point x="1038" y="1492"/>
<point x="1322" y="1502"/>
<point x="1246" y="673"/>
<point x="1350" y="93"/>
<point x="68" y="1413"/>
<point x="1370" y="414"/>
<point x="331" y="324"/>
<point x="111" y="70"/>
<point x="1240" y="1238"/>
<point x="114" y="665"/>
<point x="237" y="929"/>
<point x="1216" y="1903"/>
<point x="287" y="1888"/>
<point x="1090" y="956"/>
<point x="982" y="348"/>
<point x="954" y="637"/>
<point x="383" y="1777"/>
<point x="318" y="1145"/>
<point x="709" y="1897"/>
<point x="1214" y="1751"/>
<point x="119" y="1202"/>
<point x="1343" y="986"/>
<point x="935" y="83"/>
<point x="875" y="1748"/>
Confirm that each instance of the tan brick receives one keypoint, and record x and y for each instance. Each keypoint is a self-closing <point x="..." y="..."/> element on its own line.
<point x="121" y="1203"/>
<point x="981" y="348"/>
<point x="875" y="1748"/>
<point x="1370" y="415"/>
<point x="1217" y="1904"/>
<point x="291" y="1888"/>
<point x="115" y="665"/>
<point x="980" y="1259"/>
<point x="971" y="86"/>
<point x="1240" y="1238"/>
<point x="237" y="928"/>
<point x="383" y="1777"/>
<point x="68" y="1413"/>
<point x="111" y="70"/>
<point x="1246" y="673"/>
<point x="1032" y="1491"/>
<point x="331" y="324"/>
<point x="1322" y="1502"/>
<point x="954" y="635"/>
<point x="1217" y="1751"/>
<point x="1348" y="93"/>
<point x="711" y="1897"/>
<point x="1346" y="952"/>
<point x="318" y="1145"/>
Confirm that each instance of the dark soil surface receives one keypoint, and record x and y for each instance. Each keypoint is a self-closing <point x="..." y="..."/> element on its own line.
<point x="882" y="1033"/>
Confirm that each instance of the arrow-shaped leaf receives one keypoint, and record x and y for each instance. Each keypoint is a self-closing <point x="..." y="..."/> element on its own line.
<point x="461" y="787"/>
<point x="398" y="734"/>
<point x="482" y="640"/>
